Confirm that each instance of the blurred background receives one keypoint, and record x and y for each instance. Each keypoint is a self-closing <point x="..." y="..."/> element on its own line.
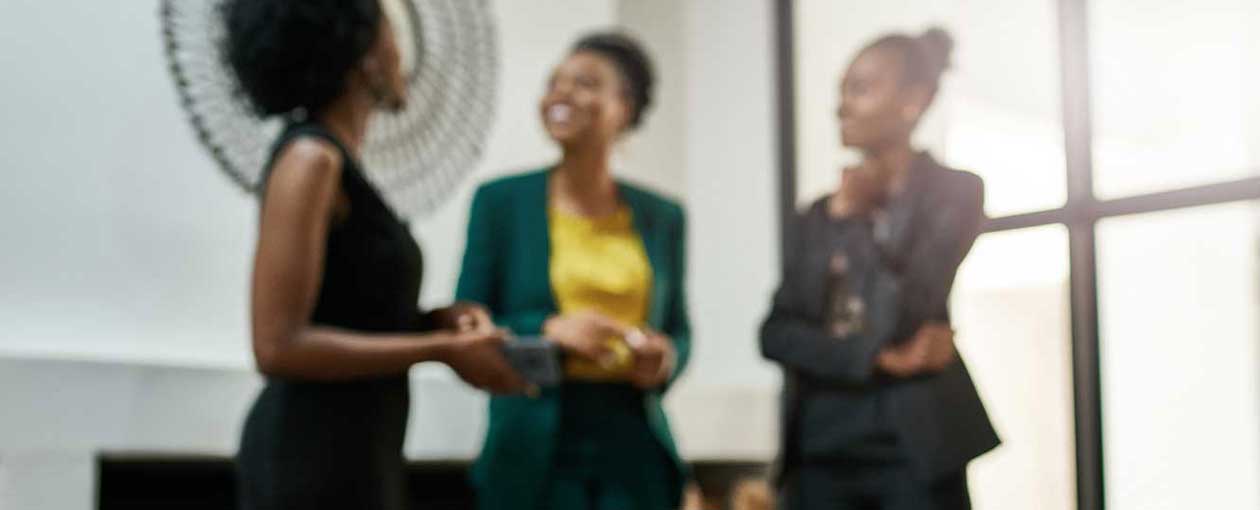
<point x="1109" y="316"/>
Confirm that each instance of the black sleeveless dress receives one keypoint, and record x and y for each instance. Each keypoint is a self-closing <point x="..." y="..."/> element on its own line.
<point x="316" y="445"/>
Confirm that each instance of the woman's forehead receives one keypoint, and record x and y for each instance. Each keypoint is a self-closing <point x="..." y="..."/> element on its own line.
<point x="875" y="63"/>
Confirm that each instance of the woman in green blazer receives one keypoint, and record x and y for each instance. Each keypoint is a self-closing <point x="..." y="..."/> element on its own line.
<point x="573" y="256"/>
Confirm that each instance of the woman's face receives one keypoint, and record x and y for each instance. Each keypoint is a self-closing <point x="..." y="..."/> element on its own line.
<point x="585" y="101"/>
<point x="384" y="62"/>
<point x="875" y="109"/>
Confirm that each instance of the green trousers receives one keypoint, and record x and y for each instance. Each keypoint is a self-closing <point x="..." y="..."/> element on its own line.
<point x="607" y="458"/>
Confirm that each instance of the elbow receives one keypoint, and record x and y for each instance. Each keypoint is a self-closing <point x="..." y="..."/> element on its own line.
<point x="269" y="357"/>
<point x="267" y="360"/>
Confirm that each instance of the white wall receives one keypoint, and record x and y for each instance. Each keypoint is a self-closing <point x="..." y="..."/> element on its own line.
<point x="656" y="154"/>
<point x="121" y="240"/>
<point x="732" y="182"/>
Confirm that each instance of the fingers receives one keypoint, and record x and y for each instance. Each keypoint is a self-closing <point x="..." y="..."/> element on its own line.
<point x="465" y="322"/>
<point x="653" y="359"/>
<point x="606" y="327"/>
<point x="937" y="328"/>
<point x="932" y="348"/>
<point x="487" y="368"/>
<point x="494" y="337"/>
<point x="909" y="358"/>
<point x="599" y="325"/>
<point x="647" y="377"/>
<point x="651" y="351"/>
<point x="585" y="334"/>
<point x="471" y="317"/>
<point x="944" y="352"/>
<point x="637" y="339"/>
<point x="589" y="349"/>
<point x="894" y="362"/>
<point x="476" y="318"/>
<point x="507" y="381"/>
<point x="595" y="350"/>
<point x="649" y="341"/>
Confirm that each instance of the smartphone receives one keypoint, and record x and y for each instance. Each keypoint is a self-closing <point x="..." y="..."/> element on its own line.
<point x="535" y="359"/>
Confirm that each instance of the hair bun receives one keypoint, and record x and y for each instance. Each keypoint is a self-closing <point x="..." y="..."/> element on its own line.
<point x="938" y="48"/>
<point x="629" y="56"/>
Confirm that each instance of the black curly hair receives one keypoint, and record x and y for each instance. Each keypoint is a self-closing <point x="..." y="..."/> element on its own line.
<point x="294" y="55"/>
<point x="632" y="61"/>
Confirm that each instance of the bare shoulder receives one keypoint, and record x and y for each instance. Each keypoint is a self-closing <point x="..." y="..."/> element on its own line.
<point x="305" y="178"/>
<point x="307" y="159"/>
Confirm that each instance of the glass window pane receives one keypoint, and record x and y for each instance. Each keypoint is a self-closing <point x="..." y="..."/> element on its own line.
<point x="998" y="113"/>
<point x="1180" y="358"/>
<point x="1010" y="307"/>
<point x="1174" y="93"/>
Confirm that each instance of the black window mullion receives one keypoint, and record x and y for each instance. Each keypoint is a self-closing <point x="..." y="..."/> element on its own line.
<point x="1210" y="194"/>
<point x="1086" y="369"/>
<point x="785" y="50"/>
<point x="1026" y="220"/>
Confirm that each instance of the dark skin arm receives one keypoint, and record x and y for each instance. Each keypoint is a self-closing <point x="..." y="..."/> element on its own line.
<point x="931" y="350"/>
<point x="301" y="204"/>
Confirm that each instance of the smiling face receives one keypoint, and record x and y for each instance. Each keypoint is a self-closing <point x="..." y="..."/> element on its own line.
<point x="585" y="101"/>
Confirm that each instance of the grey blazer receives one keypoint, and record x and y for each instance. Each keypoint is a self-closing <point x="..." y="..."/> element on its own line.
<point x="938" y="419"/>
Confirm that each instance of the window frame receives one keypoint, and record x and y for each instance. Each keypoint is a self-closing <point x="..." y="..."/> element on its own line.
<point x="1080" y="214"/>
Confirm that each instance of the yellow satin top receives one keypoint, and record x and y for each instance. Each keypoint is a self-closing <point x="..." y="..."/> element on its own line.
<point x="600" y="265"/>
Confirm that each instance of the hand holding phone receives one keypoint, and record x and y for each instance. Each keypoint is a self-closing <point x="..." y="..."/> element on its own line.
<point x="535" y="359"/>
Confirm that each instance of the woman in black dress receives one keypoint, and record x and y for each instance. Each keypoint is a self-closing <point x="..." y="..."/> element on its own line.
<point x="336" y="273"/>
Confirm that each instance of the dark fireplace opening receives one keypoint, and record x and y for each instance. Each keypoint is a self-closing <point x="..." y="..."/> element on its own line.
<point x="133" y="481"/>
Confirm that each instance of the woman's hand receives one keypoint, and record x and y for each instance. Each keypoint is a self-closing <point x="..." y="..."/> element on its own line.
<point x="654" y="358"/>
<point x="585" y="334"/>
<point x="476" y="357"/>
<point x="862" y="190"/>
<point x="931" y="350"/>
<point x="462" y="317"/>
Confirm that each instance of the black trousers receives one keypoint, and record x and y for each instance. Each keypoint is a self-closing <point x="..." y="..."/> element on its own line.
<point x="891" y="486"/>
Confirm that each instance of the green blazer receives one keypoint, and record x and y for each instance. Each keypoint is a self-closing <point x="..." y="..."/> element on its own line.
<point x="507" y="268"/>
